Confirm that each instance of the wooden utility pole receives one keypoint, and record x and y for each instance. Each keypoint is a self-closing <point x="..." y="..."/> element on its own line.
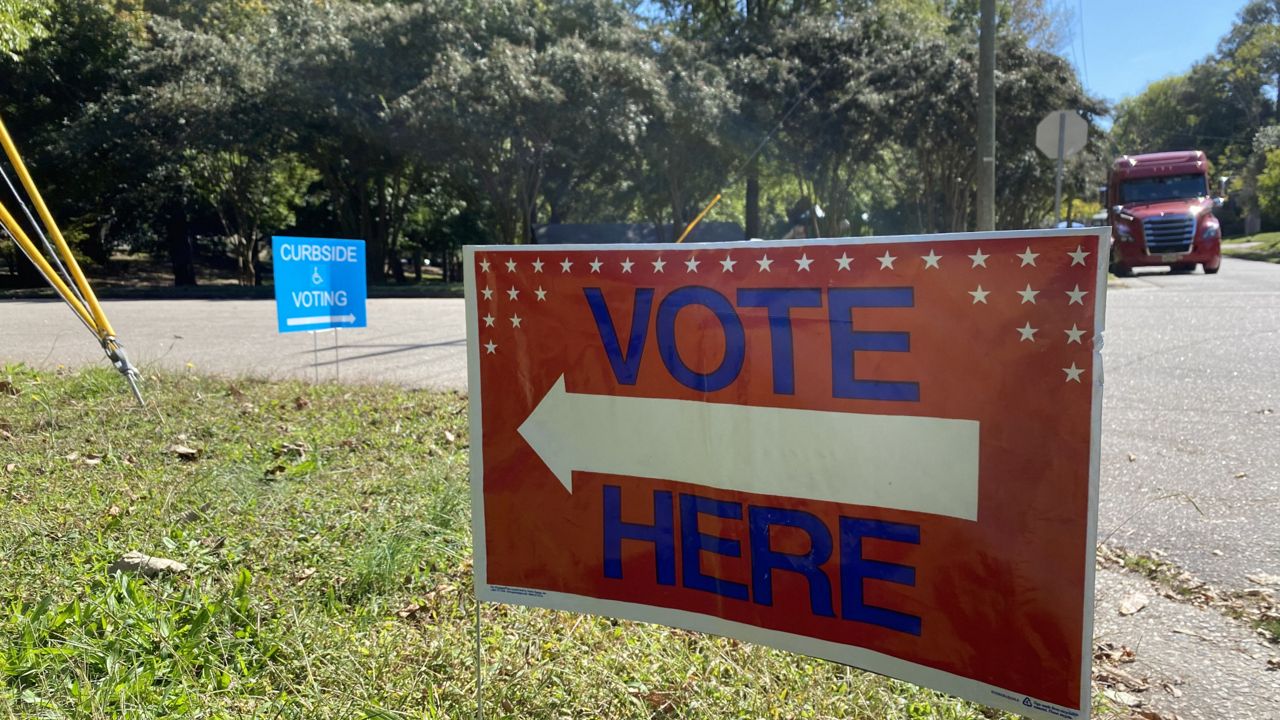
<point x="986" y="164"/>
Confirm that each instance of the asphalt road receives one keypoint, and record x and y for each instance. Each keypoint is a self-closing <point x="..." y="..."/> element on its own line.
<point x="1192" y="388"/>
<point x="1190" y="455"/>
<point x="1191" y="469"/>
<point x="412" y="342"/>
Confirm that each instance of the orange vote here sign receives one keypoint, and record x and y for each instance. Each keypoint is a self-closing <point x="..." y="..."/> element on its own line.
<point x="880" y="451"/>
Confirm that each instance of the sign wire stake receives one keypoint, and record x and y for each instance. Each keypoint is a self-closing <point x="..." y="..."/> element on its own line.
<point x="315" y="355"/>
<point x="479" y="667"/>
<point x="337" y="358"/>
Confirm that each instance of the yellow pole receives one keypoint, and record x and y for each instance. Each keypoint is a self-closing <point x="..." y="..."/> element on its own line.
<point x="32" y="252"/>
<point x="698" y="219"/>
<point x="103" y="327"/>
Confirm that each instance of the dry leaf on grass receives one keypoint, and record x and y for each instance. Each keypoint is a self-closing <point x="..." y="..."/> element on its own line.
<point x="146" y="565"/>
<point x="1134" y="603"/>
<point x="1264" y="579"/>
<point x="183" y="452"/>
<point x="1122" y="697"/>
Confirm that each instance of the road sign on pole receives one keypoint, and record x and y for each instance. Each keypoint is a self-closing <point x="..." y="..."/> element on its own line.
<point x="779" y="442"/>
<point x="1061" y="134"/>
<point x="320" y="283"/>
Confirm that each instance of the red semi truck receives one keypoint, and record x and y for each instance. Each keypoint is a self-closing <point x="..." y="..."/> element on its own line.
<point x="1160" y="210"/>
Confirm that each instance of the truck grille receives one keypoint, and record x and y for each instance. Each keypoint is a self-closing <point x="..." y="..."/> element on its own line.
<point x="1172" y="234"/>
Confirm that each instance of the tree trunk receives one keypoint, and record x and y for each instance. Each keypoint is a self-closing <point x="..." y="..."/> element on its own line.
<point x="98" y="246"/>
<point x="253" y="258"/>
<point x="397" y="266"/>
<point x="1253" y="221"/>
<point x="244" y="259"/>
<point x="182" y="253"/>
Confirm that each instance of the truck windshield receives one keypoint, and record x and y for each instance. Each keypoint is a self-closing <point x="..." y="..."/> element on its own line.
<point x="1169" y="187"/>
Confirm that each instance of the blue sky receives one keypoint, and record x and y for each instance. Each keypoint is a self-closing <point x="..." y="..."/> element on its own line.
<point x="1121" y="46"/>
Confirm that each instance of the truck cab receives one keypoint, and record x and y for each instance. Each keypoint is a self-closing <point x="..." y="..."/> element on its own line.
<point x="1160" y="210"/>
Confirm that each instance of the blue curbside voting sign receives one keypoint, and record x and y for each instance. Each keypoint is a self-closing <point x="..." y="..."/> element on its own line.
<point x="320" y="283"/>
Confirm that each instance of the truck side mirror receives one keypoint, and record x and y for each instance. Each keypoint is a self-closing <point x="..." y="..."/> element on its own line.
<point x="1102" y="195"/>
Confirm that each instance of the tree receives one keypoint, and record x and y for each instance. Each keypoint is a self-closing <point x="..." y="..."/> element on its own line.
<point x="1218" y="107"/>
<point x="20" y="22"/>
<point x="1267" y="144"/>
<point x="251" y="196"/>
<point x="687" y="148"/>
<point x="361" y="88"/>
<point x="739" y="30"/>
<point x="560" y="98"/>
<point x="45" y="94"/>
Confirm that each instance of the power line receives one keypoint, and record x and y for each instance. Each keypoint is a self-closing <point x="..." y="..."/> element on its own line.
<point x="1084" y="55"/>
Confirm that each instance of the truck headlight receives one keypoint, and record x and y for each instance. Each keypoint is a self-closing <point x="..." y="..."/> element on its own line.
<point x="1211" y="232"/>
<point x="1122" y="233"/>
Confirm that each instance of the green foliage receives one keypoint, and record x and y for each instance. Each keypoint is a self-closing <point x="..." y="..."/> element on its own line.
<point x="252" y="196"/>
<point x="20" y="22"/>
<point x="131" y="645"/>
<point x="1269" y="185"/>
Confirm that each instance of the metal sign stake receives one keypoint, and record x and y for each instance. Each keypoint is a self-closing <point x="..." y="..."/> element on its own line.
<point x="1057" y="191"/>
<point x="479" y="667"/>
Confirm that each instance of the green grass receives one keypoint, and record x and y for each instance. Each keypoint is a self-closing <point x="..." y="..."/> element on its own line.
<point x="1268" y="249"/>
<point x="326" y="531"/>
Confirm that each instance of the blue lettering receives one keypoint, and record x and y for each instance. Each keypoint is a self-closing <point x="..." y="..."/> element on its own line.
<point x="854" y="569"/>
<point x="779" y="302"/>
<point x="845" y="341"/>
<point x="660" y="533"/>
<point x="625" y="368"/>
<point x="692" y="543"/>
<point x="735" y="341"/>
<point x="764" y="559"/>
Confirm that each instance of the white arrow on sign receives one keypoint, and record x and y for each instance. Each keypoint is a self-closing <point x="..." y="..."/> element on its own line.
<point x="903" y="462"/>
<point x="320" y="319"/>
